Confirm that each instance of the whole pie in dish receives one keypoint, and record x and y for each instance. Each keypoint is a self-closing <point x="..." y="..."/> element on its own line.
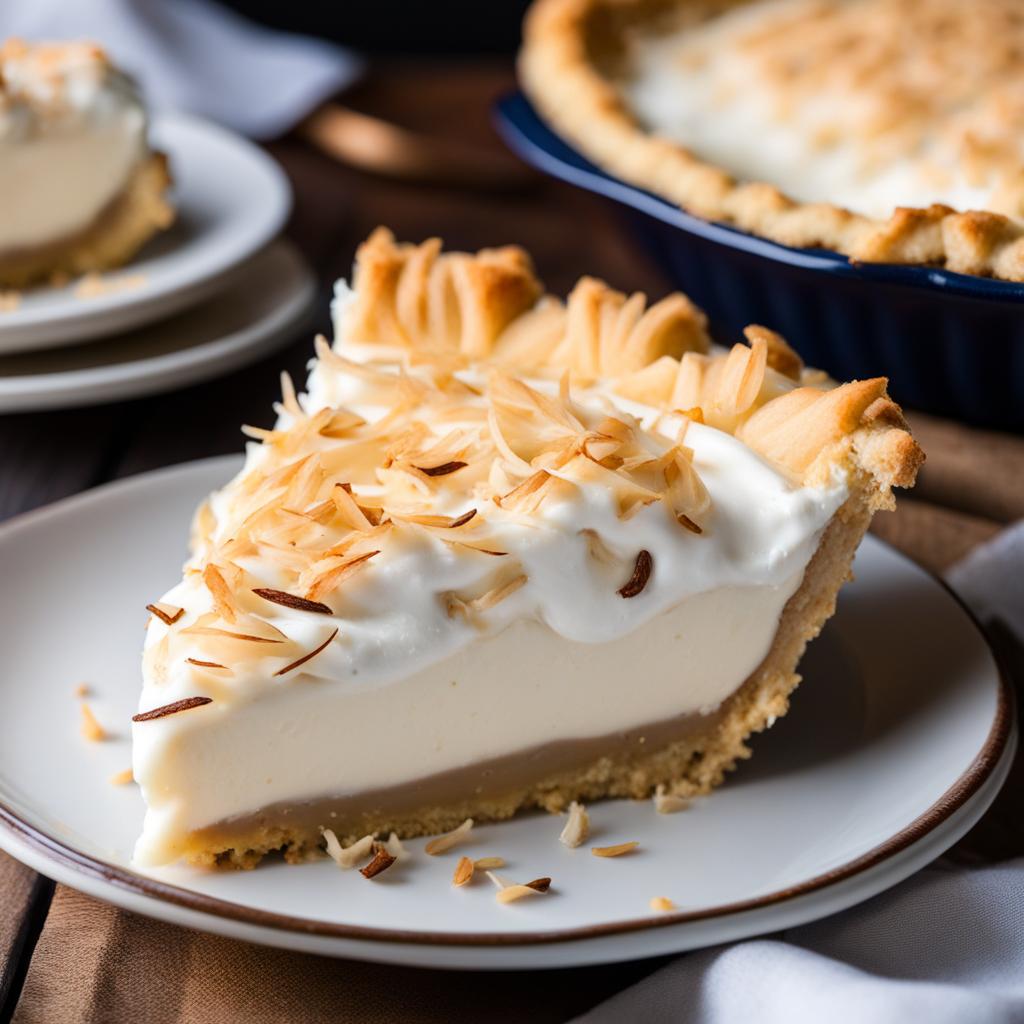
<point x="504" y="552"/>
<point x="80" y="188"/>
<point x="887" y="130"/>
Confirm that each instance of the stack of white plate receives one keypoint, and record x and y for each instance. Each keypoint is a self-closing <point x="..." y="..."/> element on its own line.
<point x="216" y="291"/>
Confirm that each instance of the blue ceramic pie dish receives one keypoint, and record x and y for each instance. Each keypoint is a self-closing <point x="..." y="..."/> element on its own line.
<point x="951" y="344"/>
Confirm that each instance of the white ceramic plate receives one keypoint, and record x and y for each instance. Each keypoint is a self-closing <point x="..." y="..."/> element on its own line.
<point x="231" y="200"/>
<point x="898" y="740"/>
<point x="261" y="308"/>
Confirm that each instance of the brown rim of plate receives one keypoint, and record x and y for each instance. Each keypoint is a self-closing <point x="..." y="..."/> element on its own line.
<point x="952" y="800"/>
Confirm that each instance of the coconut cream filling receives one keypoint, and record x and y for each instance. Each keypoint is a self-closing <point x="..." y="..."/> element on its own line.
<point x="695" y="87"/>
<point x="518" y="689"/>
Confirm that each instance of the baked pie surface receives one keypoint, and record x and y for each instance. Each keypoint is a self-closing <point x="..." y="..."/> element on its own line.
<point x="886" y="130"/>
<point x="505" y="551"/>
<point x="80" y="188"/>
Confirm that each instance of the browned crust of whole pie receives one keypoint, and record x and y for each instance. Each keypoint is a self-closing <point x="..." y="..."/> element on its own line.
<point x="567" y="43"/>
<point x="138" y="212"/>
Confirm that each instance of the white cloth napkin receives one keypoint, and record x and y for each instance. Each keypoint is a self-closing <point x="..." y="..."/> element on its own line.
<point x="945" y="947"/>
<point x="196" y="56"/>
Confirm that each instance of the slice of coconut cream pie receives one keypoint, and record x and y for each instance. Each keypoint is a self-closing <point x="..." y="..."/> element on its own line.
<point x="80" y="189"/>
<point x="504" y="552"/>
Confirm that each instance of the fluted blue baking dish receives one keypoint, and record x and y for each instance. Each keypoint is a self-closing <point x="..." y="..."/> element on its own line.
<point x="951" y="344"/>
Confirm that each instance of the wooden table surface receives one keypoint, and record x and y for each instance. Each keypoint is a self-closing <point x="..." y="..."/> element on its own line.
<point x="48" y="456"/>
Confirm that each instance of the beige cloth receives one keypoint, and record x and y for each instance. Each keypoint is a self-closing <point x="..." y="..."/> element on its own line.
<point x="94" y="963"/>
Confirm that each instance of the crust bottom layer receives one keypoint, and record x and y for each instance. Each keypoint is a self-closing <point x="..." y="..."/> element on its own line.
<point x="113" y="237"/>
<point x="690" y="756"/>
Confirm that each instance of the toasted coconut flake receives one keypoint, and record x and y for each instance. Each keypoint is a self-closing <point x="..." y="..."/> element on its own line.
<point x="340" y="423"/>
<point x="599" y="551"/>
<point x="462" y="520"/>
<point x="577" y="828"/>
<point x="479" y="550"/>
<point x="91" y="728"/>
<point x="514" y="462"/>
<point x="685" y="520"/>
<point x="463" y="872"/>
<point x="662" y="904"/>
<point x="82" y="690"/>
<point x="641" y="574"/>
<point x="497" y="594"/>
<point x="382" y="860"/>
<point x="539" y="884"/>
<point x="186" y="704"/>
<point x="260" y="433"/>
<point x="669" y="803"/>
<point x="206" y="664"/>
<point x="288" y="397"/>
<point x="444" y="469"/>
<point x="500" y="881"/>
<point x="301" y="604"/>
<point x="348" y="508"/>
<point x="600" y="447"/>
<point x="223" y="601"/>
<point x="488" y="863"/>
<point x="329" y="580"/>
<point x="685" y="492"/>
<point x="167" y="613"/>
<point x="437" y="521"/>
<point x="630" y="495"/>
<point x="346" y="857"/>
<point x="122" y="778"/>
<point x="614" y="851"/>
<point x="469" y="610"/>
<point x="527" y="496"/>
<point x="307" y="657"/>
<point x="440" y="844"/>
<point x="231" y="635"/>
<point x="511" y="893"/>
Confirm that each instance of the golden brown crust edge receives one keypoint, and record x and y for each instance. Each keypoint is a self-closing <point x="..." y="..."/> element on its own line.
<point x="138" y="213"/>
<point x="558" y="73"/>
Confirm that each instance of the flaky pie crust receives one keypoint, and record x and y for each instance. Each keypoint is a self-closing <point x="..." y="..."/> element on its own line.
<point x="565" y="44"/>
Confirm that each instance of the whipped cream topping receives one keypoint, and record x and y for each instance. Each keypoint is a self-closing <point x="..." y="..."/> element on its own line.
<point x="72" y="130"/>
<point x="442" y="643"/>
<point x="864" y="104"/>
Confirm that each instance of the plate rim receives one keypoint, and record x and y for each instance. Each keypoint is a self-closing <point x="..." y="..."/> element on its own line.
<point x="124" y="381"/>
<point x="967" y="785"/>
<point x="35" y="328"/>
